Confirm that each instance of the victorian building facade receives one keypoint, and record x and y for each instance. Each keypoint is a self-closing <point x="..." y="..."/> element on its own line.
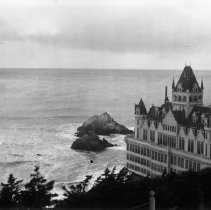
<point x="175" y="136"/>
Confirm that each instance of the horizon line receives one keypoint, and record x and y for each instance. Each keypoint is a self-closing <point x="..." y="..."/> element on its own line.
<point x="122" y="69"/>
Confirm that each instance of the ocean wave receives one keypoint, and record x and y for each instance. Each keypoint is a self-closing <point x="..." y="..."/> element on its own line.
<point x="15" y="163"/>
<point x="67" y="131"/>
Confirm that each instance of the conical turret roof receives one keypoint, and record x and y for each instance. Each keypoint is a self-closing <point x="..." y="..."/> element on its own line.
<point x="142" y="107"/>
<point x="187" y="79"/>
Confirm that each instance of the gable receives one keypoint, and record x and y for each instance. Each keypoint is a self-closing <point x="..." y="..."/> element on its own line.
<point x="145" y="125"/>
<point x="182" y="132"/>
<point x="169" y="119"/>
<point x="200" y="136"/>
<point x="152" y="125"/>
<point x="190" y="134"/>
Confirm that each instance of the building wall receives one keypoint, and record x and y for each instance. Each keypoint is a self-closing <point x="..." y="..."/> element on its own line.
<point x="150" y="157"/>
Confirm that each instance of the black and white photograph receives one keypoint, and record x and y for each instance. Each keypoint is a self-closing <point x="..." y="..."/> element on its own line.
<point x="105" y="104"/>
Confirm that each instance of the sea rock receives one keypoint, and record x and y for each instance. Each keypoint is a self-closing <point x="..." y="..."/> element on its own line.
<point x="102" y="124"/>
<point x="91" y="142"/>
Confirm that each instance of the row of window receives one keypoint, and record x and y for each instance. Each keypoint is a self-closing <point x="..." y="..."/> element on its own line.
<point x="133" y="148"/>
<point x="136" y="168"/>
<point x="157" y="167"/>
<point x="139" y="160"/>
<point x="169" y="128"/>
<point x="177" y="161"/>
<point x="152" y="136"/>
<point x="185" y="163"/>
<point x="158" y="156"/>
<point x="184" y="99"/>
<point x="139" y="150"/>
<point x="167" y="140"/>
<point x="200" y="147"/>
<point x="181" y="143"/>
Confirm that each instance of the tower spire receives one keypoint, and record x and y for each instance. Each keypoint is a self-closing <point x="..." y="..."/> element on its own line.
<point x="173" y="84"/>
<point x="166" y="97"/>
<point x="202" y="85"/>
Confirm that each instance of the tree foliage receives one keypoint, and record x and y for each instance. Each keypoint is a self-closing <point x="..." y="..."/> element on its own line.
<point x="37" y="191"/>
<point x="10" y="195"/>
<point x="112" y="189"/>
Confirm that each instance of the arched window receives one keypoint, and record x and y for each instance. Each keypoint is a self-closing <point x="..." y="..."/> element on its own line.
<point x="175" y="98"/>
<point x="195" y="98"/>
<point x="200" y="98"/>
<point x="179" y="98"/>
<point x="184" y="98"/>
<point x="190" y="99"/>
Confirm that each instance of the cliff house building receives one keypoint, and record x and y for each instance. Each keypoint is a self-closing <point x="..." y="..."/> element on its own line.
<point x="175" y="136"/>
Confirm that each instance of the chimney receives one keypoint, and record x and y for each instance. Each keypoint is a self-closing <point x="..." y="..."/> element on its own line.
<point x="166" y="97"/>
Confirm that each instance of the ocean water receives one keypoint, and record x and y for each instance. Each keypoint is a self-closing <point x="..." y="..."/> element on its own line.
<point x="40" y="110"/>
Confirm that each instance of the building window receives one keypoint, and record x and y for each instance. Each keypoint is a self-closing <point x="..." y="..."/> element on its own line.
<point x="159" y="138"/>
<point x="180" y="162"/>
<point x="206" y="150"/>
<point x="137" y="131"/>
<point x="205" y="135"/>
<point x="152" y="136"/>
<point x="172" y="141"/>
<point x="200" y="147"/>
<point x="127" y="146"/>
<point x="210" y="150"/>
<point x="165" y="140"/>
<point x="145" y="132"/>
<point x="190" y="145"/>
<point x="181" y="143"/>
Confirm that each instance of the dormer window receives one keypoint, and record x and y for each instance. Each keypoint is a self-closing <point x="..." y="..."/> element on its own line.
<point x="163" y="112"/>
<point x="137" y="111"/>
<point x="156" y="112"/>
<point x="195" y="88"/>
<point x="205" y="123"/>
<point x="202" y="119"/>
<point x="194" y="117"/>
<point x="179" y="87"/>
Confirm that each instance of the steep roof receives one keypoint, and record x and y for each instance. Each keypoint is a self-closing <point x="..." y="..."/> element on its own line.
<point x="198" y="110"/>
<point x="142" y="107"/>
<point x="167" y="106"/>
<point x="187" y="79"/>
<point x="179" y="116"/>
<point x="156" y="113"/>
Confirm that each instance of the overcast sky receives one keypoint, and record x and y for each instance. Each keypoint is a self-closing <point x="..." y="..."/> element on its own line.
<point x="158" y="34"/>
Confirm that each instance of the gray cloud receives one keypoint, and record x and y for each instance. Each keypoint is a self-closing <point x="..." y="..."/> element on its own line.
<point x="115" y="34"/>
<point x="139" y="33"/>
<point x="8" y="32"/>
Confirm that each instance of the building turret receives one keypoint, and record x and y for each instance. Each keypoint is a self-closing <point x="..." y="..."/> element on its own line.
<point x="202" y="85"/>
<point x="166" y="93"/>
<point x="140" y="116"/>
<point x="173" y="85"/>
<point x="187" y="92"/>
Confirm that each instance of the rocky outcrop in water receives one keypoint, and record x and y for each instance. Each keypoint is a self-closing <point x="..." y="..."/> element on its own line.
<point x="102" y="124"/>
<point x="91" y="142"/>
